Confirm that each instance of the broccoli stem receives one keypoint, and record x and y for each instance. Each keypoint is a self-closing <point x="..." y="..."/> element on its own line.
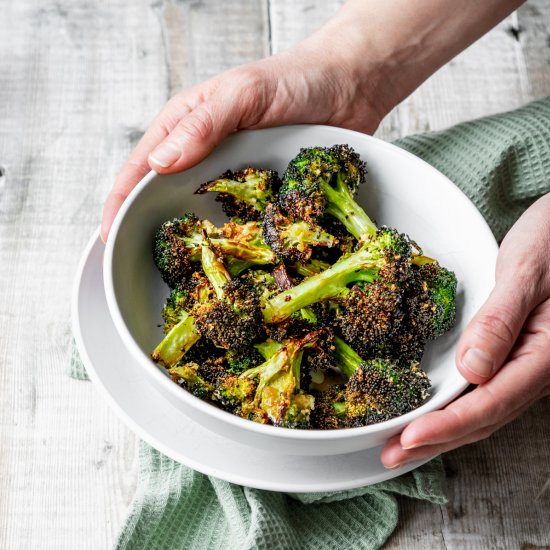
<point x="268" y="348"/>
<point x="340" y="408"/>
<point x="214" y="269"/>
<point x="420" y="259"/>
<point x="311" y="268"/>
<point x="255" y="253"/>
<point x="236" y="266"/>
<point x="250" y="191"/>
<point x="347" y="359"/>
<point x="359" y="266"/>
<point x="177" y="342"/>
<point x="341" y="205"/>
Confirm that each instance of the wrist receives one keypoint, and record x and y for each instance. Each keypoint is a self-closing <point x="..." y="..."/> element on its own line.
<point x="387" y="49"/>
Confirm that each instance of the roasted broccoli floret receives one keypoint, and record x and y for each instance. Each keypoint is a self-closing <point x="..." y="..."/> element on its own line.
<point x="238" y="362"/>
<point x="179" y="324"/>
<point x="311" y="268"/>
<point x="183" y="297"/>
<point x="210" y="381"/>
<point x="293" y="241"/>
<point x="177" y="301"/>
<point x="278" y="396"/>
<point x="232" y="391"/>
<point x="379" y="389"/>
<point x="188" y="375"/>
<point x="243" y="241"/>
<point x="233" y="319"/>
<point x="177" y="245"/>
<point x="244" y="193"/>
<point x="386" y="255"/>
<point x="371" y="315"/>
<point x="322" y="180"/>
<point x="431" y="299"/>
<point x="329" y="412"/>
<point x="177" y="249"/>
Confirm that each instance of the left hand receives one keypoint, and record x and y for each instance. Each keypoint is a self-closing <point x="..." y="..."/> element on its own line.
<point x="505" y="349"/>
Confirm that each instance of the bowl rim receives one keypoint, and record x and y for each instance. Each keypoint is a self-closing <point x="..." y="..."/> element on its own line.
<point x="434" y="403"/>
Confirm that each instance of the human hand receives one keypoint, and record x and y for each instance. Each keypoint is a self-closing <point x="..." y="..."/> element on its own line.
<point x="511" y="333"/>
<point x="350" y="73"/>
<point x="311" y="83"/>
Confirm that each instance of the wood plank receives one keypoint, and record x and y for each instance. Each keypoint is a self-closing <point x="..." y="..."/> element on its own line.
<point x="80" y="84"/>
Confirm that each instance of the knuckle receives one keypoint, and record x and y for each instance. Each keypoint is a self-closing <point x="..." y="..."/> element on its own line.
<point x="199" y="126"/>
<point x="251" y="92"/>
<point x="497" y="324"/>
<point x="485" y="433"/>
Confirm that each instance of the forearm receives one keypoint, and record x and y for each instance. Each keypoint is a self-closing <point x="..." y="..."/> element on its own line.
<point x="392" y="46"/>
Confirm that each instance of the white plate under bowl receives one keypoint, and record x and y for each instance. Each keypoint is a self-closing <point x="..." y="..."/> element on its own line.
<point x="402" y="191"/>
<point x="147" y="413"/>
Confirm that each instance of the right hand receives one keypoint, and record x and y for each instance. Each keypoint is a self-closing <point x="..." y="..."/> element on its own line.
<point x="307" y="84"/>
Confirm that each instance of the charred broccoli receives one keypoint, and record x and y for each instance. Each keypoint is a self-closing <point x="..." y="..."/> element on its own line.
<point x="386" y="255"/>
<point x="179" y="325"/>
<point x="299" y="312"/>
<point x="177" y="246"/>
<point x="370" y="316"/>
<point x="213" y="383"/>
<point x="245" y="193"/>
<point x="293" y="241"/>
<point x="278" y="396"/>
<point x="233" y="318"/>
<point x="379" y="389"/>
<point x="431" y="299"/>
<point x="323" y="180"/>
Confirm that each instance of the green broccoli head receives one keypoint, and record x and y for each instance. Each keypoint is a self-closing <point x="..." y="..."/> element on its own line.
<point x="232" y="391"/>
<point x="176" y="246"/>
<point x="430" y="298"/>
<point x="245" y="193"/>
<point x="370" y="315"/>
<point x="233" y="321"/>
<point x="380" y="390"/>
<point x="187" y="375"/>
<point x="240" y="361"/>
<point x="176" y="303"/>
<point x="183" y="297"/>
<point x="385" y="255"/>
<point x="293" y="241"/>
<point x="278" y="397"/>
<point x="330" y="408"/>
<point x="323" y="180"/>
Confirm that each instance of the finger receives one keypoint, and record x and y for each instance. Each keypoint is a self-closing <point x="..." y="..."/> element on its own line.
<point x="393" y="455"/>
<point x="238" y="101"/>
<point x="519" y="383"/>
<point x="136" y="167"/>
<point x="490" y="336"/>
<point x="200" y="131"/>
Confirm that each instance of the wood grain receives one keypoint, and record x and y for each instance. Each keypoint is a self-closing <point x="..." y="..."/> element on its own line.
<point x="79" y="83"/>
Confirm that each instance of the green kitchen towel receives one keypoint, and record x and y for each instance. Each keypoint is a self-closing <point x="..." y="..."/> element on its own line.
<point x="502" y="163"/>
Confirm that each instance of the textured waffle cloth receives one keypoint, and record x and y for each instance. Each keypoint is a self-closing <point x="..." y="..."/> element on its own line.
<point x="502" y="163"/>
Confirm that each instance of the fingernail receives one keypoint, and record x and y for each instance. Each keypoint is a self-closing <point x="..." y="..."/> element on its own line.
<point x="165" y="154"/>
<point x="393" y="466"/>
<point x="412" y="446"/>
<point x="478" y="362"/>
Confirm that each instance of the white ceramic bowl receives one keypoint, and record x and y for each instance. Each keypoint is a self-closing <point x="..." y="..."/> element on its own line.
<point x="401" y="191"/>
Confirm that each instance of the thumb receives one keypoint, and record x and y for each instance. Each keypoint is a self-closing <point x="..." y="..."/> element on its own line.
<point x="490" y="335"/>
<point x="192" y="139"/>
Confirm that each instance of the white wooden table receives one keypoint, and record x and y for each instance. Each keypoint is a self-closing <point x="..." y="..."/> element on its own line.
<point x="79" y="82"/>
